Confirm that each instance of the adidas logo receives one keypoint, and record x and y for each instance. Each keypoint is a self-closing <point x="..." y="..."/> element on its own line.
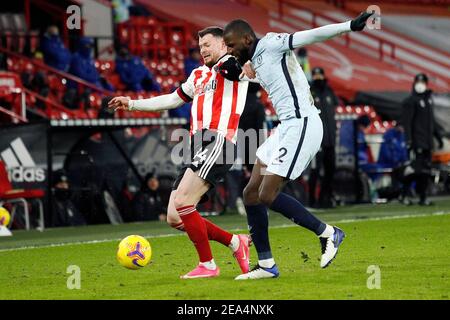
<point x="21" y="166"/>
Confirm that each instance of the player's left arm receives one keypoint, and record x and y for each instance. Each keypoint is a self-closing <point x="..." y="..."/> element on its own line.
<point x="304" y="38"/>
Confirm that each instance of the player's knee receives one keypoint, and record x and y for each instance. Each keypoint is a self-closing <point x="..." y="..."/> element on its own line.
<point x="250" y="195"/>
<point x="181" y="199"/>
<point x="266" y="197"/>
<point x="173" y="220"/>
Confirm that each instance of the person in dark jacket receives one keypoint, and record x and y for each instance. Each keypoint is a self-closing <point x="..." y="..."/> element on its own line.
<point x="65" y="213"/>
<point x="133" y="73"/>
<point x="83" y="65"/>
<point x="420" y="128"/>
<point x="326" y="101"/>
<point x="147" y="204"/>
<point x="56" y="55"/>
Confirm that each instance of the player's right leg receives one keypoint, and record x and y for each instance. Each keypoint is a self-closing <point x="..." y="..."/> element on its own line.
<point x="189" y="193"/>
<point x="238" y="243"/>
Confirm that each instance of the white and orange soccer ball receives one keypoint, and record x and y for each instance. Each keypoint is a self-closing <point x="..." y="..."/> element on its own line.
<point x="5" y="217"/>
<point x="134" y="252"/>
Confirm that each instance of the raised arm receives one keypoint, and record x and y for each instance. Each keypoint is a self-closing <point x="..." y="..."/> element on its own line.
<point x="303" y="38"/>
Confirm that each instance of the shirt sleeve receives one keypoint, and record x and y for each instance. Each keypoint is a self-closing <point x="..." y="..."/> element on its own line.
<point x="303" y="38"/>
<point x="159" y="103"/>
<point x="279" y="41"/>
<point x="284" y="41"/>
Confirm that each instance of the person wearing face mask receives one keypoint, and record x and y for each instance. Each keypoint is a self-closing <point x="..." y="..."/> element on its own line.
<point x="65" y="213"/>
<point x="420" y="128"/>
<point x="134" y="73"/>
<point x="83" y="65"/>
<point x="147" y="204"/>
<point x="56" y="55"/>
<point x="326" y="101"/>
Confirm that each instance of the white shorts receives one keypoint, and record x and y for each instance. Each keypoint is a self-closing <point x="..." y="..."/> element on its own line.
<point x="288" y="151"/>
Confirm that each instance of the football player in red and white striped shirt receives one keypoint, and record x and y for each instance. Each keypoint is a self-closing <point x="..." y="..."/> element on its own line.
<point x="217" y="104"/>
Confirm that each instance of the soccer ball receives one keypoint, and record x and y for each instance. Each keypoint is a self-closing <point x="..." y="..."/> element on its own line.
<point x="4" y="217"/>
<point x="134" y="252"/>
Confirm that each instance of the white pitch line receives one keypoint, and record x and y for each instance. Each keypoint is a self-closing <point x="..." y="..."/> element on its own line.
<point x="438" y="213"/>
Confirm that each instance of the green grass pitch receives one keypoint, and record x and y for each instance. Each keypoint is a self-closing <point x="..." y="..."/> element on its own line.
<point x="409" y="245"/>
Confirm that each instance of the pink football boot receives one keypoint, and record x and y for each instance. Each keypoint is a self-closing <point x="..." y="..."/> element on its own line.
<point x="201" y="272"/>
<point x="242" y="254"/>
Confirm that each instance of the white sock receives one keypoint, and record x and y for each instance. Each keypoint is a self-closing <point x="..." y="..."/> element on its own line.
<point x="234" y="244"/>
<point x="210" y="265"/>
<point x="328" y="232"/>
<point x="266" y="263"/>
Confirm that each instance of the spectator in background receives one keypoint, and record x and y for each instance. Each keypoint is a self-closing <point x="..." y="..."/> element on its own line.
<point x="65" y="213"/>
<point x="147" y="204"/>
<point x="393" y="151"/>
<point x="56" y="55"/>
<point x="37" y="82"/>
<point x="133" y="73"/>
<point x="192" y="62"/>
<point x="420" y="127"/>
<point x="393" y="155"/>
<point x="365" y="158"/>
<point x="83" y="65"/>
<point x="302" y="58"/>
<point x="326" y="101"/>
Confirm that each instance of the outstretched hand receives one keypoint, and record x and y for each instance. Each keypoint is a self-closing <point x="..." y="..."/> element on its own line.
<point x="118" y="103"/>
<point x="359" y="22"/>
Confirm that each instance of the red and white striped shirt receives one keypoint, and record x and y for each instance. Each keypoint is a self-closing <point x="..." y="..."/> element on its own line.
<point x="217" y="103"/>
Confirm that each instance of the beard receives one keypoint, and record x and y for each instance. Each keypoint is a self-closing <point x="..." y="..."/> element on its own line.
<point x="243" y="57"/>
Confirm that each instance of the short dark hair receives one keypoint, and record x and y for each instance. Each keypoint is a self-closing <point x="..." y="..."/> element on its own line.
<point x="363" y="120"/>
<point x="214" y="31"/>
<point x="240" y="27"/>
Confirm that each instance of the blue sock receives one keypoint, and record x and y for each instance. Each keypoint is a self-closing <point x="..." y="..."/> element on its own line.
<point x="292" y="209"/>
<point x="258" y="222"/>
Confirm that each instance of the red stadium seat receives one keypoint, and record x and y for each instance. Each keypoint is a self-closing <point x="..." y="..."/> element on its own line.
<point x="95" y="100"/>
<point x="92" y="113"/>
